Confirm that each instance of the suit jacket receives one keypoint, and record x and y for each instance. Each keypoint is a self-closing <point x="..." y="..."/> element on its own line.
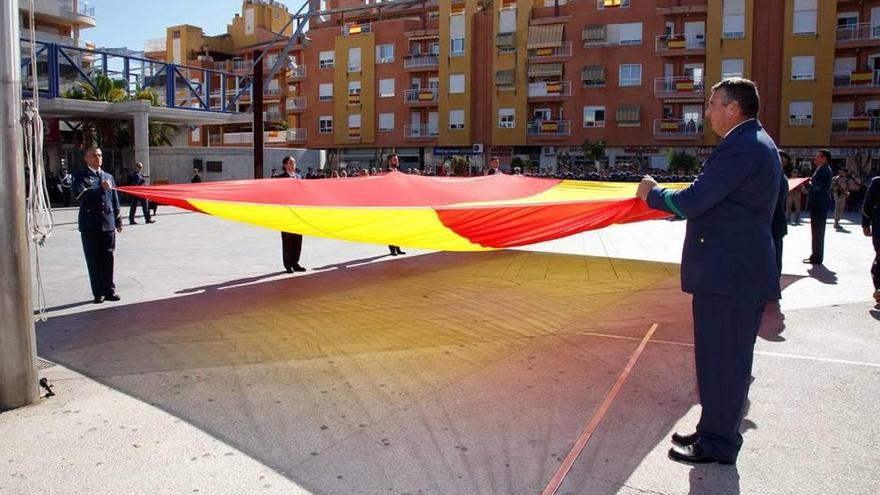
<point x="820" y="188"/>
<point x="285" y="175"/>
<point x="98" y="209"/>
<point x="136" y="179"/>
<point x="728" y="248"/>
<point x="871" y="208"/>
<point x="779" y="225"/>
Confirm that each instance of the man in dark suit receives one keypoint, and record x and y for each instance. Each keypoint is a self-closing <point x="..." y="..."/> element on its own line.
<point x="137" y="179"/>
<point x="727" y="263"/>
<point x="494" y="166"/>
<point x="291" y="243"/>
<point x="779" y="225"/>
<point x="871" y="228"/>
<point x="820" y="199"/>
<point x="99" y="219"/>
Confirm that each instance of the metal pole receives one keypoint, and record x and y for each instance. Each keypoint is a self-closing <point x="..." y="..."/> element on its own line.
<point x="18" y="351"/>
<point x="257" y="108"/>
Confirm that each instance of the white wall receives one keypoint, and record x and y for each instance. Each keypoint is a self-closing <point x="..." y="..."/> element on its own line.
<point x="175" y="165"/>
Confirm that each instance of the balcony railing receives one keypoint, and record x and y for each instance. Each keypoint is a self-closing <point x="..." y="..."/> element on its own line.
<point x="551" y="88"/>
<point x="296" y="135"/>
<point x="549" y="128"/>
<point x="681" y="41"/>
<point x="539" y="54"/>
<point x="158" y="45"/>
<point x="857" y="79"/>
<point x="85" y="8"/>
<point x="297" y="72"/>
<point x="855" y="32"/>
<point x="425" y="95"/>
<point x="419" y="131"/>
<point x="356" y="29"/>
<point x="297" y="103"/>
<point x="856" y="125"/>
<point x="273" y="116"/>
<point x="420" y="60"/>
<point x="678" y="127"/>
<point x="248" y="137"/>
<point x="272" y="92"/>
<point x="678" y="86"/>
<point x="242" y="64"/>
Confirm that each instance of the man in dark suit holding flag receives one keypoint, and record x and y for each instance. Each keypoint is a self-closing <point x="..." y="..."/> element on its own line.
<point x="728" y="263"/>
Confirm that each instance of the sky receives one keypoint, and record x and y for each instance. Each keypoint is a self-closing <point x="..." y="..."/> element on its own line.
<point x="128" y="24"/>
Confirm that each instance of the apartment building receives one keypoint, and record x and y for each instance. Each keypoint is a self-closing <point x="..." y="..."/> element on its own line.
<point x="435" y="79"/>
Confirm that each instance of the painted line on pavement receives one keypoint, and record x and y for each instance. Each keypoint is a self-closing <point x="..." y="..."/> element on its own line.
<point x="584" y="437"/>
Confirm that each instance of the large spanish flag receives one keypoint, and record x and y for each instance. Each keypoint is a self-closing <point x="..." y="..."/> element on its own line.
<point x="443" y="213"/>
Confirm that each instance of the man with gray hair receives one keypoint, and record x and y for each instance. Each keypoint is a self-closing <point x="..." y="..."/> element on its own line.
<point x="728" y="264"/>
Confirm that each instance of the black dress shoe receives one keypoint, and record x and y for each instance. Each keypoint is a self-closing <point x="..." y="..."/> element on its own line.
<point x="692" y="454"/>
<point x="685" y="440"/>
<point x="400" y="252"/>
<point x="98" y="299"/>
<point x="151" y="221"/>
<point x="289" y="269"/>
<point x="299" y="268"/>
<point x="132" y="222"/>
<point x="112" y="297"/>
<point x="393" y="253"/>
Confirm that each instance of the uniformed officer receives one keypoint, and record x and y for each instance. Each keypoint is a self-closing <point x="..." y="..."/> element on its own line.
<point x="99" y="220"/>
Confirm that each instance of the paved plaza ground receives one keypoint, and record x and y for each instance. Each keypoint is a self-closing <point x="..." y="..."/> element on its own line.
<point x="431" y="373"/>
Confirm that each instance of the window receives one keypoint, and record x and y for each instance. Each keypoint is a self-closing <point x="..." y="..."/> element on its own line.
<point x="456" y="119"/>
<point x="214" y="166"/>
<point x="385" y="54"/>
<point x="594" y="116"/>
<point x="593" y="76"/>
<point x="386" y="122"/>
<point x="628" y="115"/>
<point x="434" y="48"/>
<point x="325" y="92"/>
<point x="803" y="68"/>
<point x="354" y="59"/>
<point x="804" y="21"/>
<point x="354" y="87"/>
<point x="800" y="113"/>
<point x="507" y="21"/>
<point x="611" y="4"/>
<point x="624" y="34"/>
<point x="456" y="47"/>
<point x="386" y="88"/>
<point x="326" y="59"/>
<point x="354" y="121"/>
<point x="325" y="124"/>
<point x="734" y="19"/>
<point x="506" y="118"/>
<point x="456" y="83"/>
<point x="630" y="75"/>
<point x="456" y="26"/>
<point x="731" y="67"/>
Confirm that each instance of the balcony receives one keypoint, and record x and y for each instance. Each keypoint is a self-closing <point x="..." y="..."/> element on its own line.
<point x="234" y="138"/>
<point x="242" y="65"/>
<point x="680" y="44"/>
<point x="297" y="135"/>
<point x="85" y="9"/>
<point x="416" y="62"/>
<point x="678" y="129"/>
<point x="64" y="12"/>
<point x="856" y="128"/>
<point x="419" y="131"/>
<point x="352" y="29"/>
<point x="296" y="73"/>
<point x="549" y="128"/>
<point x="858" y="35"/>
<point x="158" y="45"/>
<point x="272" y="93"/>
<point x="857" y="82"/>
<point x="679" y="87"/>
<point x="273" y="116"/>
<point x="546" y="54"/>
<point x="421" y="97"/>
<point x="549" y="90"/>
<point x="296" y="104"/>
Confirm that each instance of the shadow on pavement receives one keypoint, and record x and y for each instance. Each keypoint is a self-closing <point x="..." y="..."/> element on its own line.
<point x="443" y="373"/>
<point x="823" y="274"/>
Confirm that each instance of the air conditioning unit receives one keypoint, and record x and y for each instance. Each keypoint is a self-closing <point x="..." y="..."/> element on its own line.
<point x="548" y="150"/>
<point x="478" y="148"/>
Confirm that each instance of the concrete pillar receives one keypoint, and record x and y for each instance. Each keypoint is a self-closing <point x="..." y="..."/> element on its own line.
<point x="18" y="349"/>
<point x="142" y="139"/>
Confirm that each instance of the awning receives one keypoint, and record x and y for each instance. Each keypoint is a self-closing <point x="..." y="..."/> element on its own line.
<point x="505" y="78"/>
<point x="593" y="73"/>
<point x="593" y="32"/>
<point x="545" y="70"/>
<point x="505" y="40"/>
<point x="424" y="37"/>
<point x="545" y="36"/>
<point x="628" y="113"/>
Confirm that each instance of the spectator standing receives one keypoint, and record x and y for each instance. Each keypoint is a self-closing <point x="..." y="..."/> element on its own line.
<point x="819" y="199"/>
<point x="137" y="179"/>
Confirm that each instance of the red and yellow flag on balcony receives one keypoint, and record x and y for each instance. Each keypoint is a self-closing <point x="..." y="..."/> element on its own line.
<point x="861" y="76"/>
<point x="858" y="123"/>
<point x="684" y="85"/>
<point x="675" y="42"/>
